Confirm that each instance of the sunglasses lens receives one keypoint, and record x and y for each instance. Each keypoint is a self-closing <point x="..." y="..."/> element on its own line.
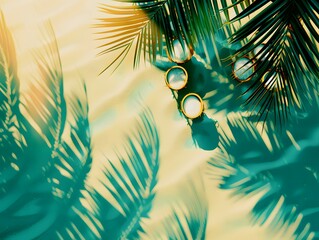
<point x="176" y="78"/>
<point x="181" y="52"/>
<point x="192" y="106"/>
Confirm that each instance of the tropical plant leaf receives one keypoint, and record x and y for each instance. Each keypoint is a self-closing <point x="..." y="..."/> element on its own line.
<point x="153" y="26"/>
<point x="130" y="182"/>
<point x="288" y="33"/>
<point x="279" y="166"/>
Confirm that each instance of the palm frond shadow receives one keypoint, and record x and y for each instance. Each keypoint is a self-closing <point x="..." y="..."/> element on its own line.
<point x="130" y="182"/>
<point x="46" y="160"/>
<point x="187" y="218"/>
<point x="41" y="178"/>
<point x="9" y="108"/>
<point x="69" y="178"/>
<point x="281" y="167"/>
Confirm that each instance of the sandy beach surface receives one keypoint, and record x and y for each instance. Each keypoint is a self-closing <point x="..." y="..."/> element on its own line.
<point x="115" y="102"/>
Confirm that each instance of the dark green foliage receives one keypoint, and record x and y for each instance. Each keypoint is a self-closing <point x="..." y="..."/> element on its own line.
<point x="152" y="26"/>
<point x="289" y="31"/>
<point x="287" y="28"/>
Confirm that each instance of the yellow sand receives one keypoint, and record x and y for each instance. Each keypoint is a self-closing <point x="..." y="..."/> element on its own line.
<point x="114" y="104"/>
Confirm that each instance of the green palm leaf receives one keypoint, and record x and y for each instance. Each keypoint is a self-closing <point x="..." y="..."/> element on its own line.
<point x="152" y="27"/>
<point x="288" y="30"/>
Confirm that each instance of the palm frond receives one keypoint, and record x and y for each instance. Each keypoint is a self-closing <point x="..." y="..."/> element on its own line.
<point x="286" y="33"/>
<point x="274" y="166"/>
<point x="154" y="26"/>
<point x="130" y="183"/>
